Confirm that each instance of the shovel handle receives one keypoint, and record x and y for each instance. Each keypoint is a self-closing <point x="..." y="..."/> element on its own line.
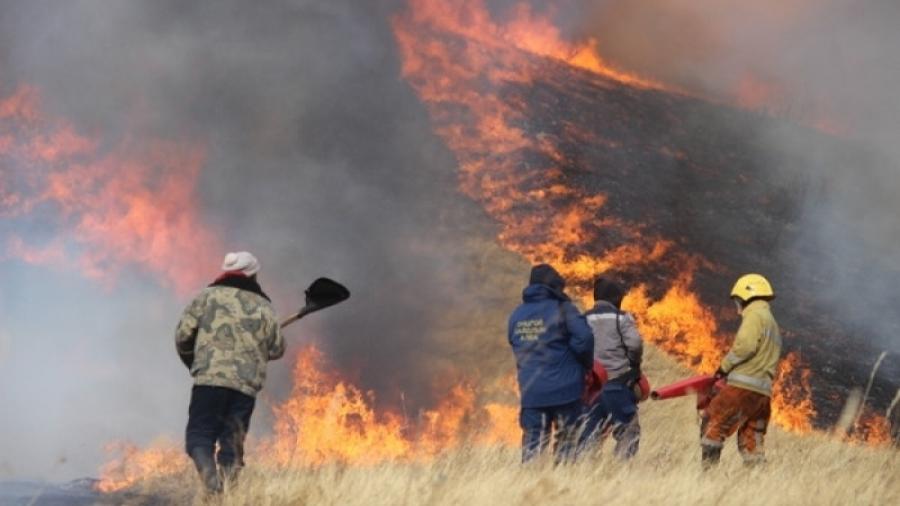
<point x="299" y="314"/>
<point x="289" y="320"/>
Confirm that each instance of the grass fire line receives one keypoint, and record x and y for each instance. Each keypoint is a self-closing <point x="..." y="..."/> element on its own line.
<point x="375" y="454"/>
<point x="328" y="438"/>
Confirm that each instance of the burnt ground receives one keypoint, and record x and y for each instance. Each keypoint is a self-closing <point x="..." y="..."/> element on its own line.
<point x="720" y="183"/>
<point x="73" y="493"/>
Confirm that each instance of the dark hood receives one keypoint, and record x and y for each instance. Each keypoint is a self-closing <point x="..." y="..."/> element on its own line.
<point x="545" y="282"/>
<point x="605" y="289"/>
<point x="544" y="274"/>
<point x="241" y="282"/>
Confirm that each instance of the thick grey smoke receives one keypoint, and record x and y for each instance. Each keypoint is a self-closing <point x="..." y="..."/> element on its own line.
<point x="320" y="160"/>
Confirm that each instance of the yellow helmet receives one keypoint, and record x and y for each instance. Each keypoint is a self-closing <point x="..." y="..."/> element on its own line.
<point x="751" y="286"/>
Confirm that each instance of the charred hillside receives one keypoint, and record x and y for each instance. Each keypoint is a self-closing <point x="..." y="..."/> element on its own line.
<point x="597" y="171"/>
<point x="710" y="179"/>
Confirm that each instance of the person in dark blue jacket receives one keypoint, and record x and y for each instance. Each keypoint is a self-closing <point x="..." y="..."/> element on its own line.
<point x="554" y="347"/>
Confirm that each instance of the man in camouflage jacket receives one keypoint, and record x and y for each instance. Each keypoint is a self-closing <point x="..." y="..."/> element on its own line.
<point x="225" y="337"/>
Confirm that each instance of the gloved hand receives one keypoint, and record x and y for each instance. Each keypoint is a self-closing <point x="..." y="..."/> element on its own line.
<point x="720" y="374"/>
<point x="187" y="358"/>
<point x="634" y="378"/>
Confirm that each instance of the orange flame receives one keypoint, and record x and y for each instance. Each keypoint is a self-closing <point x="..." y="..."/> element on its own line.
<point x="460" y="61"/>
<point x="131" y="203"/>
<point x="872" y="429"/>
<point x="557" y="215"/>
<point x="132" y="464"/>
<point x="679" y="324"/>
<point x="792" y="406"/>
<point x="327" y="419"/>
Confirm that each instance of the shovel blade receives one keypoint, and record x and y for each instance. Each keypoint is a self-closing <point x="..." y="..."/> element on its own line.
<point x="322" y="293"/>
<point x="325" y="292"/>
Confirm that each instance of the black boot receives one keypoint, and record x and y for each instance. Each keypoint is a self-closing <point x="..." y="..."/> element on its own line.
<point x="709" y="456"/>
<point x="230" y="474"/>
<point x="206" y="466"/>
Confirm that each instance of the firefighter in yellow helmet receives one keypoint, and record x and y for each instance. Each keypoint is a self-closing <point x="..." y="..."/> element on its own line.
<point x="743" y="405"/>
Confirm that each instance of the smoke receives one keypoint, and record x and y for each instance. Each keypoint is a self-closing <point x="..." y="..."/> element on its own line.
<point x="825" y="61"/>
<point x="830" y="66"/>
<point x="318" y="158"/>
<point x="4" y="345"/>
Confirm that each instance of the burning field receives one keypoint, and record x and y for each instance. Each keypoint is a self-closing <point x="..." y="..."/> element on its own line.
<point x="556" y="156"/>
<point x="468" y="471"/>
<point x="595" y="170"/>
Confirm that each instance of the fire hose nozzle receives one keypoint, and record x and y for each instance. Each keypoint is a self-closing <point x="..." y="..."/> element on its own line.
<point x="704" y="386"/>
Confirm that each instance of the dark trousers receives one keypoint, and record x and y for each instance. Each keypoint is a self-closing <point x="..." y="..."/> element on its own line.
<point x="217" y="415"/>
<point x="539" y="425"/>
<point x="614" y="412"/>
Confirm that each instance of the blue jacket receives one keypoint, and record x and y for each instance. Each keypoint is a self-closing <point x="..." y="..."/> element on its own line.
<point x="553" y="345"/>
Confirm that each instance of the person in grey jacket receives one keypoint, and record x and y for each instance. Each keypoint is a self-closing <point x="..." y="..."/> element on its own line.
<point x="618" y="346"/>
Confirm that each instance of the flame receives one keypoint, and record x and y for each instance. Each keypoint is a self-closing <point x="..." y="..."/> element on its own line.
<point x="113" y="204"/>
<point x="133" y="464"/>
<point x="872" y="429"/>
<point x="680" y="324"/>
<point x="486" y="132"/>
<point x="537" y="35"/>
<point x="792" y="406"/>
<point x="520" y="177"/>
<point x="327" y="419"/>
<point x="463" y="64"/>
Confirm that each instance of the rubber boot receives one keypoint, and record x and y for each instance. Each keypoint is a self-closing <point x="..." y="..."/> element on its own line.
<point x="754" y="459"/>
<point x="709" y="456"/>
<point x="230" y="475"/>
<point x="628" y="438"/>
<point x="206" y="466"/>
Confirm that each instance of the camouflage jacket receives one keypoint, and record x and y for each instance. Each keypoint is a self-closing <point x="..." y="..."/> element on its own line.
<point x="226" y="336"/>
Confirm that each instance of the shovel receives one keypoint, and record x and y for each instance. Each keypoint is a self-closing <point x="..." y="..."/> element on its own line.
<point x="322" y="293"/>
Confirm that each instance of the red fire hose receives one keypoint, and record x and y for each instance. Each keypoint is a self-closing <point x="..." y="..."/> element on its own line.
<point x="704" y="386"/>
<point x="597" y="377"/>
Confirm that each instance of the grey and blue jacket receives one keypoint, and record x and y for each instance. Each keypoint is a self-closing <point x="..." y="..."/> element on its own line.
<point x="617" y="342"/>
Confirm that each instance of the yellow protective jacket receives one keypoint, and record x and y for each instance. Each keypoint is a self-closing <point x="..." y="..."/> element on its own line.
<point x="754" y="356"/>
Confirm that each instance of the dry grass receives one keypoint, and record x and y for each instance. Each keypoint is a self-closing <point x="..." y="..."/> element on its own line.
<point x="801" y="469"/>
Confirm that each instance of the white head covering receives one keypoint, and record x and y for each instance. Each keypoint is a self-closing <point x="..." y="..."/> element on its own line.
<point x="241" y="261"/>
